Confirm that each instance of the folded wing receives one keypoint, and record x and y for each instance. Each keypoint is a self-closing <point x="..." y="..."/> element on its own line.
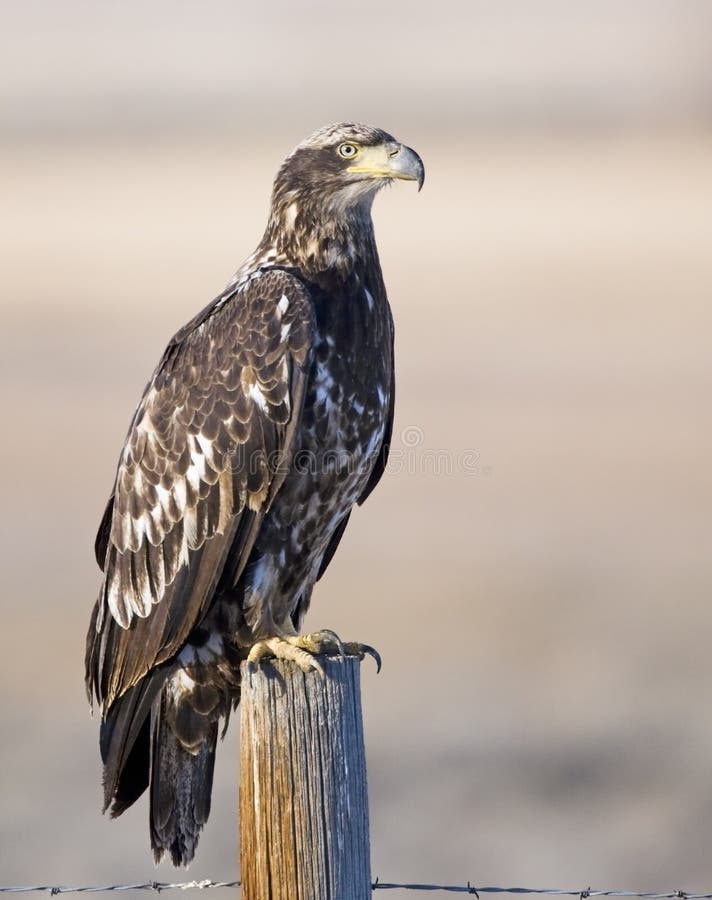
<point x="207" y="449"/>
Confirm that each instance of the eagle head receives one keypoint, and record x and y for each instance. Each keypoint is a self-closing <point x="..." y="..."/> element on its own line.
<point x="324" y="190"/>
<point x="342" y="166"/>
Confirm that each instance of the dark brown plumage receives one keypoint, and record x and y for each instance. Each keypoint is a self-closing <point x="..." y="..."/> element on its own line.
<point x="268" y="417"/>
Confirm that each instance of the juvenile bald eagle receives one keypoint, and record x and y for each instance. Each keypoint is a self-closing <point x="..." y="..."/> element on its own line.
<point x="268" y="417"/>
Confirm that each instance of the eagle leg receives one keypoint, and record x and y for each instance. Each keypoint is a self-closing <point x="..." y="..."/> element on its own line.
<point x="303" y="649"/>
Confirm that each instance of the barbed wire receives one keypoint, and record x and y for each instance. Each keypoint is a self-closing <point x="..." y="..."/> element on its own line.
<point x="377" y="885"/>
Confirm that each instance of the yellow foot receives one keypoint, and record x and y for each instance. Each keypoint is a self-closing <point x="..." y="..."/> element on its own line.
<point x="303" y="649"/>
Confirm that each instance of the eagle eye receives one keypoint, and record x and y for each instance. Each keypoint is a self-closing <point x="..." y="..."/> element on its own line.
<point x="348" y="150"/>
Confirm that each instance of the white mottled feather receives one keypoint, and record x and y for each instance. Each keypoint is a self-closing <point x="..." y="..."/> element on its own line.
<point x="256" y="394"/>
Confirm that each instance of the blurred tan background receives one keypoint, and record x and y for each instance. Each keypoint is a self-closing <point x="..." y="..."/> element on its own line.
<point x="536" y="569"/>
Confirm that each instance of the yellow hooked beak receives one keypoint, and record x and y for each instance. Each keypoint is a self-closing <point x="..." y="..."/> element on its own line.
<point x="390" y="160"/>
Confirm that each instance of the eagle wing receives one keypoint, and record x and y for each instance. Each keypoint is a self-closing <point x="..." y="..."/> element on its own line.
<point x="208" y="447"/>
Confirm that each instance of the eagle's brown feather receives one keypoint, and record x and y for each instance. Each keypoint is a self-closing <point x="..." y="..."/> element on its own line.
<point x="159" y="574"/>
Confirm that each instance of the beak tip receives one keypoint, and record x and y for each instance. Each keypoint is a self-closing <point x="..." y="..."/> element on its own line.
<point x="407" y="164"/>
<point x="418" y="167"/>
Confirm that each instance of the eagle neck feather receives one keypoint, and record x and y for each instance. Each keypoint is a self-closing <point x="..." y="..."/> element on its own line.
<point x="316" y="235"/>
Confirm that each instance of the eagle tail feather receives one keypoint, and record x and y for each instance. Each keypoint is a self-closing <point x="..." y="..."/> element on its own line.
<point x="181" y="777"/>
<point x="124" y="744"/>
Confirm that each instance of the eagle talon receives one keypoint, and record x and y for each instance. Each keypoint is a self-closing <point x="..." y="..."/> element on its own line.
<point x="326" y="640"/>
<point x="375" y="655"/>
<point x="302" y="649"/>
<point x="289" y="647"/>
<point x="362" y="650"/>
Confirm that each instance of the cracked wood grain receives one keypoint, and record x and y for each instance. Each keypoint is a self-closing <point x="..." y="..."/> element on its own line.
<point x="303" y="796"/>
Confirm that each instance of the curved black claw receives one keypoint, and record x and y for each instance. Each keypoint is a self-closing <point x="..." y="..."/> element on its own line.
<point x="362" y="650"/>
<point x="333" y="637"/>
<point x="371" y="651"/>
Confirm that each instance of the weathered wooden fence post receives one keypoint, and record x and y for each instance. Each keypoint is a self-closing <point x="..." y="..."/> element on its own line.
<point x="303" y="797"/>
